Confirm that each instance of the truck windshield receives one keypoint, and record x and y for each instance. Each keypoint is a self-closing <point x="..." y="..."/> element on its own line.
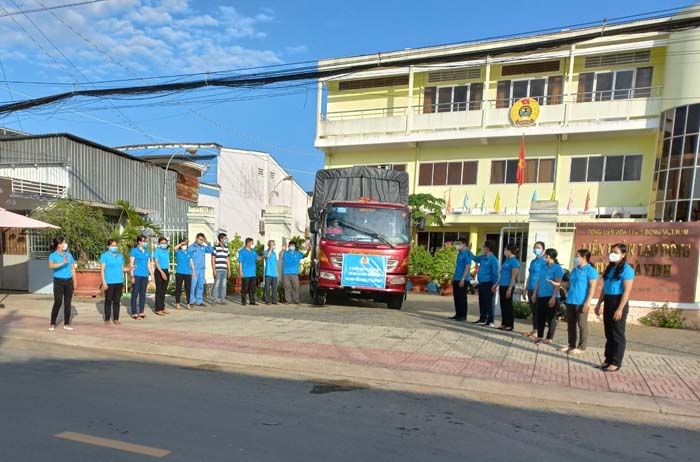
<point x="367" y="224"/>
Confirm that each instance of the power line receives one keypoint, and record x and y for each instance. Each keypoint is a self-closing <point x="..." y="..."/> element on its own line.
<point x="46" y="8"/>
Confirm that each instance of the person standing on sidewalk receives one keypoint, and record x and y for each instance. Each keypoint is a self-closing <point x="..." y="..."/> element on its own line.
<point x="509" y="276"/>
<point x="220" y="263"/>
<point x="161" y="258"/>
<point x="546" y="297"/>
<point x="62" y="263"/>
<point x="537" y="264"/>
<point x="488" y="283"/>
<point x="617" y="288"/>
<point x="578" y="291"/>
<point x="247" y="259"/>
<point x="290" y="272"/>
<point x="459" y="284"/>
<point x="141" y="276"/>
<point x="271" y="275"/>
<point x="113" y="267"/>
<point x="184" y="269"/>
<point x="197" y="251"/>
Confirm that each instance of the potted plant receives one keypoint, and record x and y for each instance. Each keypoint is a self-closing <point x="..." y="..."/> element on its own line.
<point x="420" y="264"/>
<point x="234" y="245"/>
<point x="443" y="267"/>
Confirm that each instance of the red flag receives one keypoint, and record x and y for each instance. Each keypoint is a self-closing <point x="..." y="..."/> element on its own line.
<point x="520" y="175"/>
<point x="588" y="201"/>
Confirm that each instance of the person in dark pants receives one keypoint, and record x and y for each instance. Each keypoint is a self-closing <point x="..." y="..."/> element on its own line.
<point x="184" y="269"/>
<point x="247" y="258"/>
<point x="488" y="282"/>
<point x="63" y="265"/>
<point x="271" y="274"/>
<point x="141" y="273"/>
<point x="537" y="264"/>
<point x="509" y="275"/>
<point x="113" y="269"/>
<point x="459" y="284"/>
<point x="617" y="288"/>
<point x="161" y="260"/>
<point x="546" y="297"/>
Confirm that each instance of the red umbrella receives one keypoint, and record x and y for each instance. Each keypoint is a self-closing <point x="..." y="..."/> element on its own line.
<point x="14" y="220"/>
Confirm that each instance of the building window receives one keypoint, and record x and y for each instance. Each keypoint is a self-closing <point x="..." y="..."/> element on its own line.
<point x="397" y="167"/>
<point x="447" y="173"/>
<point x="453" y="98"/>
<point x="536" y="171"/>
<point x="623" y="84"/>
<point x="606" y="168"/>
<point x="546" y="90"/>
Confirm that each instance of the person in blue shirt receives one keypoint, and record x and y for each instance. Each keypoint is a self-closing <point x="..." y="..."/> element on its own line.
<point x="161" y="259"/>
<point x="508" y="278"/>
<point x="112" y="266"/>
<point x="537" y="264"/>
<point x="198" y="252"/>
<point x="271" y="276"/>
<point x="141" y="273"/>
<point x="488" y="283"/>
<point x="547" y="297"/>
<point x="459" y="284"/>
<point x="247" y="259"/>
<point x="617" y="288"/>
<point x="184" y="269"/>
<point x="62" y="263"/>
<point x="579" y="290"/>
<point x="291" y="258"/>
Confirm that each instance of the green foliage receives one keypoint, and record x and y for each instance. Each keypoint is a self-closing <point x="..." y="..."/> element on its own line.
<point x="663" y="317"/>
<point x="427" y="206"/>
<point x="522" y="310"/>
<point x="129" y="226"/>
<point x="84" y="228"/>
<point x="420" y="262"/>
<point x="260" y="264"/>
<point x="298" y="241"/>
<point x="444" y="264"/>
<point x="234" y="245"/>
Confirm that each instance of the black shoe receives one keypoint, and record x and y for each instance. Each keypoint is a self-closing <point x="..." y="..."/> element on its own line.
<point x="201" y="304"/>
<point x="253" y="303"/>
<point x="460" y="318"/>
<point x="453" y="317"/>
<point x="478" y="322"/>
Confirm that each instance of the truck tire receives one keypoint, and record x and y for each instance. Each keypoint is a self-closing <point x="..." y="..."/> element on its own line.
<point x="319" y="297"/>
<point x="395" y="302"/>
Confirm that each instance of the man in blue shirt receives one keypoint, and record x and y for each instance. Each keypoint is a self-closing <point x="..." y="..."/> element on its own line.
<point x="488" y="283"/>
<point x="198" y="252"/>
<point x="270" y="273"/>
<point x="247" y="258"/>
<point x="290" y="272"/>
<point x="459" y="281"/>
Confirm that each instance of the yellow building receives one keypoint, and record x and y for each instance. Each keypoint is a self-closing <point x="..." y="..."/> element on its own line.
<point x="615" y="137"/>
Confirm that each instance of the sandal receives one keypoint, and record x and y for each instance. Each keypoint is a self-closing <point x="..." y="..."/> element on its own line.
<point x="189" y="307"/>
<point x="537" y="340"/>
<point x="508" y="329"/>
<point x="160" y="313"/>
<point x="116" y="322"/>
<point x="134" y="316"/>
<point x="107" y="323"/>
<point x="612" y="368"/>
<point x="142" y="316"/>
<point x="603" y="366"/>
<point x="177" y="306"/>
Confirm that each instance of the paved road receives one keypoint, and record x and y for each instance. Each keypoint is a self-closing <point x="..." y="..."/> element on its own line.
<point x="211" y="414"/>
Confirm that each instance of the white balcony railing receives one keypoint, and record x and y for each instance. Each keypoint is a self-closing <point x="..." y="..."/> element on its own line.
<point x="38" y="189"/>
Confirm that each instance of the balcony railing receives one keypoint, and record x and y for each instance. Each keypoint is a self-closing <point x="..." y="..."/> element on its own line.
<point x="38" y="189"/>
<point x="565" y="110"/>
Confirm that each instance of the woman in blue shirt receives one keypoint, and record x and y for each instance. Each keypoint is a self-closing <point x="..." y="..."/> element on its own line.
<point x="509" y="275"/>
<point x="63" y="265"/>
<point x="537" y="264"/>
<point x="579" y="291"/>
<point x="617" y="287"/>
<point x="141" y="272"/>
<point x="546" y="297"/>
<point x="161" y="260"/>
<point x="184" y="270"/>
<point x="113" y="269"/>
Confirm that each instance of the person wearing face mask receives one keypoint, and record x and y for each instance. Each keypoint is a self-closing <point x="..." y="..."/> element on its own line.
<point x="271" y="275"/>
<point x="113" y="267"/>
<point x="198" y="252"/>
<point x="220" y="265"/>
<point x="141" y="273"/>
<point x="247" y="263"/>
<point x="62" y="263"/>
<point x="579" y="290"/>
<point x="290" y="272"/>
<point x="509" y="276"/>
<point x="537" y="264"/>
<point x="459" y="284"/>
<point x="184" y="269"/>
<point x="161" y="258"/>
<point x="617" y="288"/>
<point x="488" y="283"/>
<point x="546" y="297"/>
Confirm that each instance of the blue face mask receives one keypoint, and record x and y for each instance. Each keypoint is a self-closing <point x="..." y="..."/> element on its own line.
<point x="145" y="245"/>
<point x="163" y="246"/>
<point x="292" y="248"/>
<point x="225" y="241"/>
<point x="577" y="261"/>
<point x="114" y="249"/>
<point x="537" y="251"/>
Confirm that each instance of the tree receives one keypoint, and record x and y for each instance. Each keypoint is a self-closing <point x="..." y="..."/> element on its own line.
<point x="428" y="207"/>
<point x="129" y="226"/>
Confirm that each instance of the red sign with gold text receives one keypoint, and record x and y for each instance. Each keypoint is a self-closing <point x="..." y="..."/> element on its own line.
<point x="664" y="256"/>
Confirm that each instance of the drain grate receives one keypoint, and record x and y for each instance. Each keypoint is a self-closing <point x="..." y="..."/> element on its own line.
<point x="321" y="387"/>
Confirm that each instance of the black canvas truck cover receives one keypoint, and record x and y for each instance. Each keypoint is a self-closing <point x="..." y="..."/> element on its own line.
<point x="352" y="183"/>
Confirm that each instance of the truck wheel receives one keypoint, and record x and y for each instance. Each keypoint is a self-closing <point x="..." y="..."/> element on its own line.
<point x="319" y="297"/>
<point x="395" y="302"/>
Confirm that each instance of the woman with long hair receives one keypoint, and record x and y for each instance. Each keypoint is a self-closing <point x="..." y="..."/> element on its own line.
<point x="617" y="288"/>
<point x="537" y="264"/>
<point x="63" y="265"/>
<point x="141" y="267"/>
<point x="161" y="273"/>
<point x="546" y="297"/>
<point x="113" y="268"/>
<point x="509" y="275"/>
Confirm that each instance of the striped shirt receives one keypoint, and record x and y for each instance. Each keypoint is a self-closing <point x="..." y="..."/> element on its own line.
<point x="221" y="257"/>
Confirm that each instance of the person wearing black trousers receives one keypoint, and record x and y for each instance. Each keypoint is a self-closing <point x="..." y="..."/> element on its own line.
<point x="113" y="268"/>
<point x="546" y="297"/>
<point x="62" y="263"/>
<point x="617" y="288"/>
<point x="509" y="275"/>
<point x="459" y="284"/>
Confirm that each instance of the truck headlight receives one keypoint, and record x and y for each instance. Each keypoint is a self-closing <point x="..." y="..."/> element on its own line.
<point x="327" y="275"/>
<point x="398" y="280"/>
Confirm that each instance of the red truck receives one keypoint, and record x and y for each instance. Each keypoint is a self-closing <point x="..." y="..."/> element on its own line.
<point x="360" y="235"/>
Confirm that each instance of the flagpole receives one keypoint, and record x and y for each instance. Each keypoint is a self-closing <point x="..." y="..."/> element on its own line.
<point x="517" y="199"/>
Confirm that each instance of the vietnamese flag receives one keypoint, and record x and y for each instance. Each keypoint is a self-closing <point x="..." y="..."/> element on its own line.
<point x="520" y="175"/>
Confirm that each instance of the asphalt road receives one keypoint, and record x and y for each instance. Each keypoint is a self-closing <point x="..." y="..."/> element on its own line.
<point x="190" y="412"/>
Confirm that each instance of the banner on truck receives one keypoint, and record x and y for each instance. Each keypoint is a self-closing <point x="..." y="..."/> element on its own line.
<point x="366" y="271"/>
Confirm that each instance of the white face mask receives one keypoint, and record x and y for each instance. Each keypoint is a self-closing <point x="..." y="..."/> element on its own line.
<point x="614" y="257"/>
<point x="459" y="247"/>
<point x="64" y="246"/>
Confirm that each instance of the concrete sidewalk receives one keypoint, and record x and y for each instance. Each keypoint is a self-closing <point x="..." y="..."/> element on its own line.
<point x="434" y="354"/>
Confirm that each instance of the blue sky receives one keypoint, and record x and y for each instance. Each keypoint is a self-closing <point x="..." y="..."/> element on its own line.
<point x="49" y="52"/>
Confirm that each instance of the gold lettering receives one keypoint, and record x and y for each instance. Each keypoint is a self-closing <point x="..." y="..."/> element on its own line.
<point x="638" y="270"/>
<point x="666" y="271"/>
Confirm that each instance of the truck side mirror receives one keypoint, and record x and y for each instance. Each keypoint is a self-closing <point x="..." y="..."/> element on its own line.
<point x="420" y="223"/>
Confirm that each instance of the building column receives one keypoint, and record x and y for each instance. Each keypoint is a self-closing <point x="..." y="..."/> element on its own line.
<point x="203" y="220"/>
<point x="409" y="109"/>
<point x="487" y="92"/>
<point x="543" y="225"/>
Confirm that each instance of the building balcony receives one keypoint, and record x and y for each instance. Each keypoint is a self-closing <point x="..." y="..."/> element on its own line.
<point x="411" y="124"/>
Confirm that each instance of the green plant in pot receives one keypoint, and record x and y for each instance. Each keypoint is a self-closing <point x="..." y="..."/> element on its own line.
<point x="420" y="264"/>
<point x="444" y="265"/>
<point x="234" y="245"/>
